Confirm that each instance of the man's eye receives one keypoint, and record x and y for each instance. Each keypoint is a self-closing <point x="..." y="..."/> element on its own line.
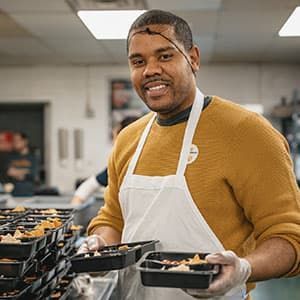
<point x="166" y="57"/>
<point x="137" y="62"/>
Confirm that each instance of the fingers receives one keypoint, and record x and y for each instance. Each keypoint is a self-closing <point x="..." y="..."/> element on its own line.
<point x="223" y="258"/>
<point x="83" y="249"/>
<point x="92" y="243"/>
<point x="198" y="294"/>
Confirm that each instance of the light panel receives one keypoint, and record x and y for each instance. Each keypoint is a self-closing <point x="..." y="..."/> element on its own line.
<point x="292" y="25"/>
<point x="109" y="24"/>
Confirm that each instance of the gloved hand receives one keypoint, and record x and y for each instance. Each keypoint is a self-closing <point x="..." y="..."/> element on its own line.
<point x="234" y="272"/>
<point x="92" y="243"/>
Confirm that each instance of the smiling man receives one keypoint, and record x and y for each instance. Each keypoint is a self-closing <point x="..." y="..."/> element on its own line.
<point x="198" y="173"/>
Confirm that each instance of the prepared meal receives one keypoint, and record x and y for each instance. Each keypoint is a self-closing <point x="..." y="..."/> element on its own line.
<point x="18" y="209"/>
<point x="9" y="239"/>
<point x="49" y="211"/>
<point x="177" y="270"/>
<point x="112" y="257"/>
<point x="75" y="227"/>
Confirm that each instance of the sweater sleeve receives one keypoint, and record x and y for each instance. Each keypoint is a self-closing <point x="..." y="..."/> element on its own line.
<point x="110" y="214"/>
<point x="263" y="181"/>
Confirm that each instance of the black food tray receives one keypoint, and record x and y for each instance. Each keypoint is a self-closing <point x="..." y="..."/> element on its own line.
<point x="15" y="214"/>
<point x="141" y="247"/>
<point x="107" y="261"/>
<point x="152" y="273"/>
<point x="8" y="283"/>
<point x="60" y="212"/>
<point x="22" y="292"/>
<point x="63" y="288"/>
<point x="23" y="250"/>
<point x="15" y="268"/>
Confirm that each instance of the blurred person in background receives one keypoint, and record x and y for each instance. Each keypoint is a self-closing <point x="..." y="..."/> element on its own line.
<point x="94" y="182"/>
<point x="23" y="166"/>
<point x="6" y="147"/>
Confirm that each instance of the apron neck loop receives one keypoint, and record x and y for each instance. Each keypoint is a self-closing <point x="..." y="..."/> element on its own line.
<point x="187" y="140"/>
<point x="189" y="132"/>
<point x="140" y="146"/>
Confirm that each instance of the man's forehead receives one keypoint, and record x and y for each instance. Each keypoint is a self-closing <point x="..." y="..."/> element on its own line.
<point x="166" y="30"/>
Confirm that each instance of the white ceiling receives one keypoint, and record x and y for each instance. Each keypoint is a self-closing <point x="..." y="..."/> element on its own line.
<point x="49" y="32"/>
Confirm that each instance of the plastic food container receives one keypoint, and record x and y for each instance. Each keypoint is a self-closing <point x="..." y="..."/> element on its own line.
<point x="111" y="257"/>
<point x="154" y="272"/>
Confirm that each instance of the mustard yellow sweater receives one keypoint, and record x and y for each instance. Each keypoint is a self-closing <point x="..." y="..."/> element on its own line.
<point x="242" y="181"/>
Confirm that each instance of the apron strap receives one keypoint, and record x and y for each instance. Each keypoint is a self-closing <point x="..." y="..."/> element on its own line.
<point x="189" y="132"/>
<point x="140" y="145"/>
<point x="187" y="140"/>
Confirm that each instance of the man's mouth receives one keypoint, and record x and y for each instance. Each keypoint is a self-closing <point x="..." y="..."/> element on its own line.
<point x="155" y="89"/>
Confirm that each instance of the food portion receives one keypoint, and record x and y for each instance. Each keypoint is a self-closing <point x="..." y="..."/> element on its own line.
<point x="196" y="260"/>
<point x="76" y="227"/>
<point x="8" y="238"/>
<point x="182" y="265"/>
<point x="49" y="211"/>
<point x="18" y="209"/>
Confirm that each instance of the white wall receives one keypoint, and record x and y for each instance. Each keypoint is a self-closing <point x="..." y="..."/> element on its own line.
<point x="64" y="88"/>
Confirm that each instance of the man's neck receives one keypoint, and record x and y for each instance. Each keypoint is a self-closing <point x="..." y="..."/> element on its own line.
<point x="181" y="116"/>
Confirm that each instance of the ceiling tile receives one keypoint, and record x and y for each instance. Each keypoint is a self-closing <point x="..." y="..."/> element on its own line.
<point x="255" y="23"/>
<point x="257" y="5"/>
<point x="14" y="6"/>
<point x="78" y="48"/>
<point x="53" y="25"/>
<point x="9" y="28"/>
<point x="23" y="47"/>
<point x="201" y="23"/>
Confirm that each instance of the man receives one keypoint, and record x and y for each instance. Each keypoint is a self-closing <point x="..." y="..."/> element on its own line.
<point x="23" y="166"/>
<point x="199" y="174"/>
<point x="6" y="148"/>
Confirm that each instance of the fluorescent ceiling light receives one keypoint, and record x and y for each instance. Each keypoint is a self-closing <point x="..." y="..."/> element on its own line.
<point x="292" y="25"/>
<point x="109" y="24"/>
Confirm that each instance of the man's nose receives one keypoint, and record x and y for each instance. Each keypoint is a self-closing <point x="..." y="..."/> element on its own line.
<point x="153" y="67"/>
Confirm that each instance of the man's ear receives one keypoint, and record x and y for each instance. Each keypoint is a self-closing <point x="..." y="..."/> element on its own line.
<point x="194" y="55"/>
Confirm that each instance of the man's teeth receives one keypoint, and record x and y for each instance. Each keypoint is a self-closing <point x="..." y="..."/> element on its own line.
<point x="157" y="87"/>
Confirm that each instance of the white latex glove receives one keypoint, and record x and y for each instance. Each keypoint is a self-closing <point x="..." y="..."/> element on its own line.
<point x="234" y="272"/>
<point x="92" y="243"/>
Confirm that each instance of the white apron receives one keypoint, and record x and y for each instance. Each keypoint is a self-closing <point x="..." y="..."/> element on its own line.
<point x="162" y="208"/>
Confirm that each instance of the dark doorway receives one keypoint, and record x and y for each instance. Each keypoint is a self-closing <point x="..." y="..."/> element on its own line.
<point x="27" y="118"/>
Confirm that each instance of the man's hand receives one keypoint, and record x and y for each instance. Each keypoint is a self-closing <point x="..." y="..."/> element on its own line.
<point x="234" y="272"/>
<point x="76" y="200"/>
<point x="92" y="243"/>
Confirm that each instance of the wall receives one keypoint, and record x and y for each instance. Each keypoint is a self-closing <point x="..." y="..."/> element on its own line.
<point x="65" y="89"/>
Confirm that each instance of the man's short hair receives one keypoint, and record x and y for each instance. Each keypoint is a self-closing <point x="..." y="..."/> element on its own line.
<point x="182" y="30"/>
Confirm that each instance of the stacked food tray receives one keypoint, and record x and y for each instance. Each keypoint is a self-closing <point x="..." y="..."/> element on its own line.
<point x="177" y="270"/>
<point x="34" y="245"/>
<point x="113" y="257"/>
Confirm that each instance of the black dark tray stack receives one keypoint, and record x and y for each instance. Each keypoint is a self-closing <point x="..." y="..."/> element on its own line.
<point x="39" y="268"/>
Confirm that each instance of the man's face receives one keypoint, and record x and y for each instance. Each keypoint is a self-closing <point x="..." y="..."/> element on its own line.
<point x="160" y="74"/>
<point x="19" y="143"/>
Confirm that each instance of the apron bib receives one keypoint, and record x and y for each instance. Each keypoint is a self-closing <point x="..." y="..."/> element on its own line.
<point x="162" y="208"/>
